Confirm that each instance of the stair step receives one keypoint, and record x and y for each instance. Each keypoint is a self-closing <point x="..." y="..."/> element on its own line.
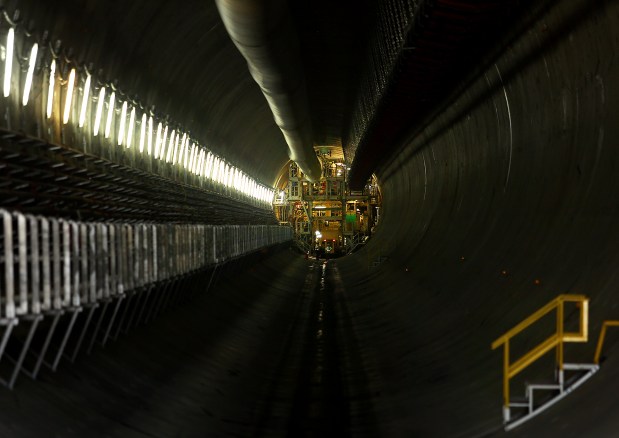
<point x="539" y="409"/>
<point x="580" y="366"/>
<point x="519" y="402"/>
<point x="544" y="386"/>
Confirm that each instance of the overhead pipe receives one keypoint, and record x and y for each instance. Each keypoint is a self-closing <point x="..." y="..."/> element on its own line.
<point x="262" y="31"/>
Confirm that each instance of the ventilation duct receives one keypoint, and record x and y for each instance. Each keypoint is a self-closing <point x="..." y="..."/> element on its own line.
<point x="262" y="31"/>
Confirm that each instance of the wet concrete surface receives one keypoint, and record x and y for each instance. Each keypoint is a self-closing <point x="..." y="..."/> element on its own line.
<point x="268" y="350"/>
<point x="204" y="368"/>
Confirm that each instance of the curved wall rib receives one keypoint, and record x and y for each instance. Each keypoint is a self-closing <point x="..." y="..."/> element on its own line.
<point x="515" y="182"/>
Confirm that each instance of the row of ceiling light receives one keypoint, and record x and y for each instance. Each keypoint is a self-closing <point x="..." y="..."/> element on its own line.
<point x="153" y="138"/>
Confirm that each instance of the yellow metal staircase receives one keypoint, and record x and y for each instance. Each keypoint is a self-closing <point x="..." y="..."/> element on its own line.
<point x="559" y="389"/>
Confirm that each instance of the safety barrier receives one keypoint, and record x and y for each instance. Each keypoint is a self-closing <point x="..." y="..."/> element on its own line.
<point x="555" y="341"/>
<point x="598" y="349"/>
<point x="50" y="266"/>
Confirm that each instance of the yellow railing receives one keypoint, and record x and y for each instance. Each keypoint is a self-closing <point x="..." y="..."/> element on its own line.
<point x="598" y="349"/>
<point x="510" y="369"/>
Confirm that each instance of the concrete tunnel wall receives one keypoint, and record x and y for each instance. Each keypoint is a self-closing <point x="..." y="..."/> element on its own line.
<point x="518" y="174"/>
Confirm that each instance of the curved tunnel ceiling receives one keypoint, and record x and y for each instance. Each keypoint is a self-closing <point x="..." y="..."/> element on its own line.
<point x="179" y="58"/>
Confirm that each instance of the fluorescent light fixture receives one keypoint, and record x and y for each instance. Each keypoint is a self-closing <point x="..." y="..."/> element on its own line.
<point x="175" y="152"/>
<point x="163" y="142"/>
<point x="142" y="132"/>
<point x="198" y="158"/>
<point x="188" y="160"/>
<point x="32" y="61"/>
<point x="50" y="90"/>
<point x="99" y="111"/>
<point x="157" y="139"/>
<point x="211" y="168"/>
<point x="178" y="150"/>
<point x="209" y="165"/>
<point x="131" y="124"/>
<point x="181" y="148"/>
<point x="8" y="62"/>
<point x="150" y="135"/>
<point x="181" y="151"/>
<point x="201" y="163"/>
<point x="170" y="147"/>
<point x="197" y="162"/>
<point x="192" y="157"/>
<point x="85" y="97"/>
<point x="204" y="163"/>
<point x="69" y="97"/>
<point x="110" y="115"/>
<point x="123" y="118"/>
<point x="320" y="207"/>
<point x="214" y="168"/>
<point x="176" y="145"/>
<point x="191" y="152"/>
<point x="230" y="176"/>
<point x="215" y="172"/>
<point x="186" y="154"/>
<point x="204" y="160"/>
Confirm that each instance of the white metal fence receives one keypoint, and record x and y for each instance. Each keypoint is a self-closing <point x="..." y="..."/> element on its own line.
<point x="50" y="264"/>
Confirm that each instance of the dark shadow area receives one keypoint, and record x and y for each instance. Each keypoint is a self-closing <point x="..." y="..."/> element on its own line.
<point x="205" y="365"/>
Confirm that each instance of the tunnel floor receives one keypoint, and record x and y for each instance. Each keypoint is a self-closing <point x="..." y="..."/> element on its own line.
<point x="277" y="347"/>
<point x="260" y="354"/>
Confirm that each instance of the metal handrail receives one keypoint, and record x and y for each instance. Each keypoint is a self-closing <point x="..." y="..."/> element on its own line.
<point x="598" y="349"/>
<point x="511" y="369"/>
<point x="51" y="263"/>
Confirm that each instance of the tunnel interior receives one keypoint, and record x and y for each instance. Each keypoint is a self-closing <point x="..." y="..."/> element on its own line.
<point x="152" y="295"/>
